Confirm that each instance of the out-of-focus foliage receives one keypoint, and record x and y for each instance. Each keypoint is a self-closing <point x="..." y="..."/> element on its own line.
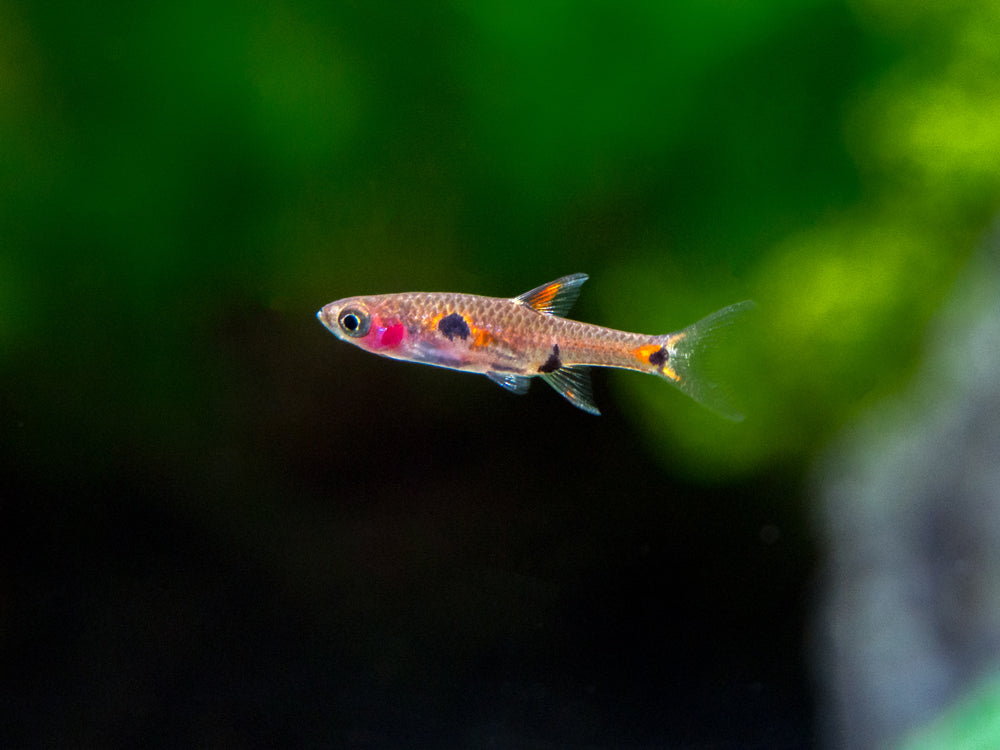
<point x="844" y="292"/>
<point x="834" y="161"/>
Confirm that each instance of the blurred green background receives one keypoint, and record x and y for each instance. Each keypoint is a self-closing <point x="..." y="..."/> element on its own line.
<point x="224" y="526"/>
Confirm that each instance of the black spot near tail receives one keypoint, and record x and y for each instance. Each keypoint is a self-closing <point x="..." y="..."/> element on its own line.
<point x="454" y="325"/>
<point x="659" y="357"/>
<point x="553" y="363"/>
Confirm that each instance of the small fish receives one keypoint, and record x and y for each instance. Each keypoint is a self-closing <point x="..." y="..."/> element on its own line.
<point x="512" y="340"/>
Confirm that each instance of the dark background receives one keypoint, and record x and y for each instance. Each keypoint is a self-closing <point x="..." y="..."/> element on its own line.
<point x="221" y="527"/>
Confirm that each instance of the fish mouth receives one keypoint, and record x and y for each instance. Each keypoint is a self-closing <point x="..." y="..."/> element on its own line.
<point x="329" y="321"/>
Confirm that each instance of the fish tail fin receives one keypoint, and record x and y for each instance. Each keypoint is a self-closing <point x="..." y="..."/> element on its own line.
<point x="690" y="360"/>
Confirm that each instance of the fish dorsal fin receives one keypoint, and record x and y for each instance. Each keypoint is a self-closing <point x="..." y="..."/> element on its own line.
<point x="556" y="297"/>
<point x="573" y="384"/>
<point x="518" y="384"/>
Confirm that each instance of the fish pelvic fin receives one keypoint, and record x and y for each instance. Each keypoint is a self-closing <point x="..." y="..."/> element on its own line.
<point x="686" y="360"/>
<point x="518" y="384"/>
<point x="573" y="384"/>
<point x="556" y="297"/>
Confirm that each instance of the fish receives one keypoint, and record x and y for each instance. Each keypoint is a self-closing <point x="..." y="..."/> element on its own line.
<point x="514" y="340"/>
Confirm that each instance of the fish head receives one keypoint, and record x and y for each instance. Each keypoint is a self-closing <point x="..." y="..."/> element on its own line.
<point x="348" y="319"/>
<point x="371" y="323"/>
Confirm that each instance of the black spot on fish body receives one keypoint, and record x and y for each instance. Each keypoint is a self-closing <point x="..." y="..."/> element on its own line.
<point x="553" y="363"/>
<point x="454" y="325"/>
<point x="659" y="357"/>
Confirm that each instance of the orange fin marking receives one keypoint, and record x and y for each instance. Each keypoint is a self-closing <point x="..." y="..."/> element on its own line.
<point x="556" y="297"/>
<point x="544" y="297"/>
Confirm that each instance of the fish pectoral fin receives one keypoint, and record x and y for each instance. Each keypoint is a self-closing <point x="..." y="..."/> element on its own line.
<point x="573" y="384"/>
<point x="518" y="384"/>
<point x="556" y="297"/>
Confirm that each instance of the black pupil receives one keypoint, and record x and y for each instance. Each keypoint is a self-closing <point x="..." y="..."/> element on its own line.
<point x="350" y="322"/>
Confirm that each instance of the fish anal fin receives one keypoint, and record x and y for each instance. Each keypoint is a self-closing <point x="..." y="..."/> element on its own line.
<point x="556" y="297"/>
<point x="573" y="384"/>
<point x="518" y="384"/>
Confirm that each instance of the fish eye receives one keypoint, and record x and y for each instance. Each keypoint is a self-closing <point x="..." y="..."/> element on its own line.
<point x="354" y="322"/>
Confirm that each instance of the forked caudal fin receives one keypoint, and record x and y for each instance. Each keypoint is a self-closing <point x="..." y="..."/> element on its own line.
<point x="689" y="366"/>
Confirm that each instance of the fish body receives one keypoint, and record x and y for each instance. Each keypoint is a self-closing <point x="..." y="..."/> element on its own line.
<point x="512" y="340"/>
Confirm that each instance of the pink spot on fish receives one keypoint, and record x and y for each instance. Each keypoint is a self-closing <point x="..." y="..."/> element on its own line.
<point x="390" y="336"/>
<point x="385" y="334"/>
